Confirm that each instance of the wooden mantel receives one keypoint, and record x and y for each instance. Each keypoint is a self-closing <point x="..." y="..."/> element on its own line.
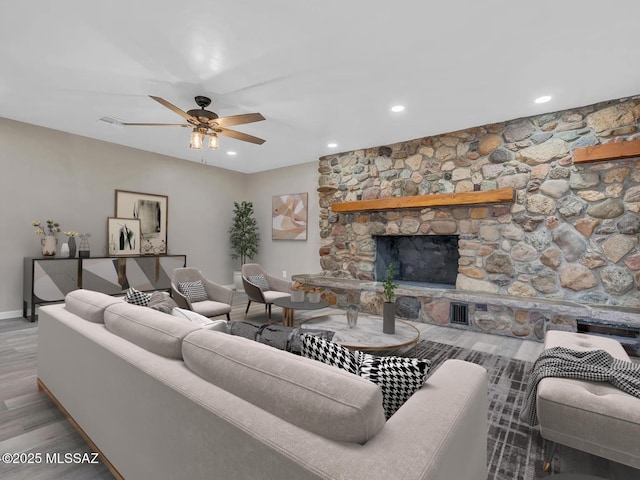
<point x="608" y="151"/>
<point x="502" y="195"/>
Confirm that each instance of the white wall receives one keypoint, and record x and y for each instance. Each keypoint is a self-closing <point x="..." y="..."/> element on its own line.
<point x="293" y="256"/>
<point x="49" y="174"/>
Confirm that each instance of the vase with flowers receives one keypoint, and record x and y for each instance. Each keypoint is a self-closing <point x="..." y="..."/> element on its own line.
<point x="72" y="234"/>
<point x="389" y="307"/>
<point x="48" y="240"/>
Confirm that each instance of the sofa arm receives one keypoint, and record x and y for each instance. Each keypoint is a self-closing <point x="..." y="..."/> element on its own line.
<point x="218" y="292"/>
<point x="446" y="421"/>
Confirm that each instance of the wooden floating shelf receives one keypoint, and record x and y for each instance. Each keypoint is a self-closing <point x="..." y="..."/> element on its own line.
<point x="608" y="151"/>
<point x="502" y="195"/>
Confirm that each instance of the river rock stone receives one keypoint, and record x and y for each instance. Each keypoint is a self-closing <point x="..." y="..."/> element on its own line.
<point x="522" y="252"/>
<point x="527" y="222"/>
<point x="612" y="117"/>
<point x="615" y="175"/>
<point x="519" y="131"/>
<point x="552" y="149"/>
<point x="488" y="144"/>
<point x="545" y="282"/>
<point x="616" y="280"/>
<point x="629" y="224"/>
<point x="616" y="247"/>
<point x="474" y="285"/>
<point x="586" y="225"/>
<point x="577" y="277"/>
<point x="540" y="204"/>
<point x="570" y="242"/>
<point x="610" y="208"/>
<point x="409" y="225"/>
<point x="407" y="307"/>
<point x="633" y="262"/>
<point x="499" y="262"/>
<point x="540" y="239"/>
<point x="443" y="227"/>
<point x="554" y="188"/>
<point x="551" y="258"/>
<point x="501" y="155"/>
<point x="632" y="195"/>
<point x="593" y="260"/>
<point x="582" y="180"/>
<point x="521" y="289"/>
<point x="570" y="206"/>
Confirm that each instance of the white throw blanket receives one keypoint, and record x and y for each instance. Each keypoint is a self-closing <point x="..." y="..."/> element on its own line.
<point x="593" y="365"/>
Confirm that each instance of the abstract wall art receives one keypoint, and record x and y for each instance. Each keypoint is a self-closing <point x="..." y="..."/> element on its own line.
<point x="289" y="217"/>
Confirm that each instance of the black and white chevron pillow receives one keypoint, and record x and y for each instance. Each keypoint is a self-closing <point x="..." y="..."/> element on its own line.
<point x="397" y="377"/>
<point x="317" y="348"/>
<point x="136" y="297"/>
<point x="194" y="291"/>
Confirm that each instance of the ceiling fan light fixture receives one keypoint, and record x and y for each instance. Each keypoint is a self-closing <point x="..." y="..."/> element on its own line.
<point x="195" y="143"/>
<point x="213" y="141"/>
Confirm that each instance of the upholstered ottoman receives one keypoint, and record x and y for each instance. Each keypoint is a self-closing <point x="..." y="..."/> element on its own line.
<point x="594" y="417"/>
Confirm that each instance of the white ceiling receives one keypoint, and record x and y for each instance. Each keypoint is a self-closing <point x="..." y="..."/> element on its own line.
<point x="319" y="71"/>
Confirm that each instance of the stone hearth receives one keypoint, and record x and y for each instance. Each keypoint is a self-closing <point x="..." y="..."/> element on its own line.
<point x="570" y="236"/>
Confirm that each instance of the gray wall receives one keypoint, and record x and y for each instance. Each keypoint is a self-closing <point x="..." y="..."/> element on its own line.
<point x="293" y="256"/>
<point x="72" y="179"/>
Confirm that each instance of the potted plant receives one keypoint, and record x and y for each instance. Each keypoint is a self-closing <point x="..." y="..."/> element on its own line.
<point x="389" y="306"/>
<point x="244" y="237"/>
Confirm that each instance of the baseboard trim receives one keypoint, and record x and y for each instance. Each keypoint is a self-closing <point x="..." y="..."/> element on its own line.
<point x="11" y="314"/>
<point x="42" y="387"/>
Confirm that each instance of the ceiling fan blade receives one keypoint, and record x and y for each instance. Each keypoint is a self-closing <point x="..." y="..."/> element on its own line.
<point x="156" y="124"/>
<point x="175" y="109"/>
<point x="232" y="120"/>
<point x="239" y="136"/>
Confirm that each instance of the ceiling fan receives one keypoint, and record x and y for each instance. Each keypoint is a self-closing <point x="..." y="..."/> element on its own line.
<point x="205" y="122"/>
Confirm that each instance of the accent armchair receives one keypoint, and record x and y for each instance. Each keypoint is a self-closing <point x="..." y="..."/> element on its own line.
<point x="191" y="290"/>
<point x="262" y="287"/>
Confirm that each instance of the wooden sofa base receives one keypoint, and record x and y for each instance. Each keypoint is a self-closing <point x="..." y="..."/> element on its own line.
<point x="42" y="387"/>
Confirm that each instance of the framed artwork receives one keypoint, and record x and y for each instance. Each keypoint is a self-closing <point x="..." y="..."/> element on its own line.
<point x="289" y="217"/>
<point x="151" y="210"/>
<point x="123" y="236"/>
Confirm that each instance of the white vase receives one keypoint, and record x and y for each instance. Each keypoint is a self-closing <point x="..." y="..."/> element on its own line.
<point x="297" y="295"/>
<point x="49" y="243"/>
<point x="64" y="250"/>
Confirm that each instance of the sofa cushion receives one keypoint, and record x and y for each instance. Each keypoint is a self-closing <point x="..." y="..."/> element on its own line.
<point x="154" y="331"/>
<point x="136" y="297"/>
<point x="194" y="291"/>
<point x="89" y="305"/>
<point x="318" y="398"/>
<point x="397" y="377"/>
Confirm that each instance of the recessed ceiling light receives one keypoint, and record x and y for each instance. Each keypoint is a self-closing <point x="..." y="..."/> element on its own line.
<point x="543" y="99"/>
<point x="332" y="145"/>
<point x="397" y="108"/>
<point x="231" y="153"/>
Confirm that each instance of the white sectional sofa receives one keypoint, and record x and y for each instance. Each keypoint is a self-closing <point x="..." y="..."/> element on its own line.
<point x="161" y="398"/>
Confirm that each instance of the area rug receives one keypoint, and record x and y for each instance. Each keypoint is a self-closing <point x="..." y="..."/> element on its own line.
<point x="515" y="450"/>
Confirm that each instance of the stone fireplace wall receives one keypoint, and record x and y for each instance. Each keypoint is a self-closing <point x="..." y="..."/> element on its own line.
<point x="571" y="234"/>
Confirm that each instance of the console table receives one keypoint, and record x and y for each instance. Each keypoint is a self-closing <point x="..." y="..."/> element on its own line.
<point x="48" y="280"/>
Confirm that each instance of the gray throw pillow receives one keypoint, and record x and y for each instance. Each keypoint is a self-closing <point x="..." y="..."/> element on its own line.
<point x="259" y="281"/>
<point x="162" y="302"/>
<point x="194" y="291"/>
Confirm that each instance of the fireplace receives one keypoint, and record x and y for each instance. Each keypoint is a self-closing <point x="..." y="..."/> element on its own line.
<point x="430" y="259"/>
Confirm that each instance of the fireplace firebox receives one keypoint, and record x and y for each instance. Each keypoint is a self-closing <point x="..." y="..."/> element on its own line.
<point x="419" y="258"/>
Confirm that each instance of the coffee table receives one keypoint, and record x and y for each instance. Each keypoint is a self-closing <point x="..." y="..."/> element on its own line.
<point x="367" y="334"/>
<point x="289" y="309"/>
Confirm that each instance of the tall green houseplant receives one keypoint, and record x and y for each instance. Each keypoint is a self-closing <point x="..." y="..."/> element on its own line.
<point x="243" y="233"/>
